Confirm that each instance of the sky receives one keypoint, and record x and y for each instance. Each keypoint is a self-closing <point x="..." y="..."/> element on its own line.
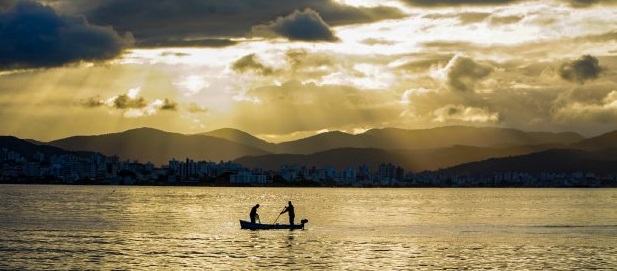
<point x="282" y="69"/>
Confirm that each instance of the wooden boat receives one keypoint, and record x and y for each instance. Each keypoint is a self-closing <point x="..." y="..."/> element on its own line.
<point x="257" y="226"/>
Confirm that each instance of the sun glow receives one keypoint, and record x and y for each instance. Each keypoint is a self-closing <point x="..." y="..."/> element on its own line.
<point x="192" y="84"/>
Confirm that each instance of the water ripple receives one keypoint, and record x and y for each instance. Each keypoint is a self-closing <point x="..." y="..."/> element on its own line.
<point x="143" y="228"/>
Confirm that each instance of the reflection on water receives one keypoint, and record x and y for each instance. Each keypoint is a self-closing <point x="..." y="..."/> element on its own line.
<point x="146" y="228"/>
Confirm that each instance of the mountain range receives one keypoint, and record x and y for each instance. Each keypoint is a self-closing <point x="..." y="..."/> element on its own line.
<point x="156" y="146"/>
<point x="415" y="150"/>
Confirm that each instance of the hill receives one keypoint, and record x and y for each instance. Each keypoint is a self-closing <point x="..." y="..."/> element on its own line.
<point x="156" y="146"/>
<point x="327" y="141"/>
<point x="241" y="137"/>
<point x="26" y="148"/>
<point x="411" y="160"/>
<point x="470" y="136"/>
<point x="391" y="138"/>
<point x="423" y="149"/>
<point x="604" y="141"/>
<point x="554" y="160"/>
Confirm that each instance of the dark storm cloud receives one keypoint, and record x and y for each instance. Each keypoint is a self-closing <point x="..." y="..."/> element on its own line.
<point x="169" y="21"/>
<point x="437" y="3"/>
<point x="585" y="68"/>
<point x="36" y="36"/>
<point x="301" y="26"/>
<point x="5" y="4"/>
<point x="250" y="63"/>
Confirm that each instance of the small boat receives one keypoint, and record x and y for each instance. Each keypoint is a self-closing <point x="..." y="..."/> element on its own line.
<point x="258" y="226"/>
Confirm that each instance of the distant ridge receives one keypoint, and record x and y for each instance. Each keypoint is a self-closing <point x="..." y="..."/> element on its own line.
<point x="416" y="150"/>
<point x="554" y="160"/>
<point x="412" y="160"/>
<point x="156" y="146"/>
<point x="26" y="148"/>
<point x="241" y="137"/>
<point x="604" y="141"/>
<point x="393" y="138"/>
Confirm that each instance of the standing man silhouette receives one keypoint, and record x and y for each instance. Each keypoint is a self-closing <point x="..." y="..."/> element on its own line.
<point x="290" y="209"/>
<point x="254" y="214"/>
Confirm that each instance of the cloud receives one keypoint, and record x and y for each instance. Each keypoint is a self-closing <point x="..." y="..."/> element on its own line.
<point x="305" y="65"/>
<point x="36" y="36"/>
<point x="373" y="41"/>
<point x="464" y="113"/>
<point x="604" y="111"/>
<point x="299" y="26"/>
<point x="169" y="105"/>
<point x="463" y="17"/>
<point x="422" y="63"/>
<point x="498" y="20"/>
<point x="472" y="17"/>
<point x="124" y="101"/>
<point x="131" y="103"/>
<point x="91" y="102"/>
<point x="587" y="3"/>
<point x="604" y="37"/>
<point x="4" y="4"/>
<point x="462" y="73"/>
<point x="430" y="105"/>
<point x="129" y="100"/>
<point x="148" y="109"/>
<point x="172" y="22"/>
<point x="250" y="63"/>
<point x="195" y="108"/>
<point x="583" y="69"/>
<point x="295" y="57"/>
<point x="583" y="3"/>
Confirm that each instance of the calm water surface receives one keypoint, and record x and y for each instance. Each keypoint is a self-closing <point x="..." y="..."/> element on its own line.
<point x="183" y="228"/>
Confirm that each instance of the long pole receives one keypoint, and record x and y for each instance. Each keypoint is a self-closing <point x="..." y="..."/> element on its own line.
<point x="277" y="218"/>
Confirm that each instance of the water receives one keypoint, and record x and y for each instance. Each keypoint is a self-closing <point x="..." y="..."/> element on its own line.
<point x="184" y="228"/>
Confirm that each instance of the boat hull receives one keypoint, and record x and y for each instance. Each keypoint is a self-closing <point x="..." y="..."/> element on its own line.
<point x="257" y="226"/>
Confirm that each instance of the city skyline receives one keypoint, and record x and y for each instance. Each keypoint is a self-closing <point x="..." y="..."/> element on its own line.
<point x="283" y="70"/>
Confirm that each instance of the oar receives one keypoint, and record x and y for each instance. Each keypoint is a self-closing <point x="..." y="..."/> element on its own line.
<point x="277" y="218"/>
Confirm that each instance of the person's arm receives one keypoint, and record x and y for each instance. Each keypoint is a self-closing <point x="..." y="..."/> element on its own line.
<point x="284" y="210"/>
